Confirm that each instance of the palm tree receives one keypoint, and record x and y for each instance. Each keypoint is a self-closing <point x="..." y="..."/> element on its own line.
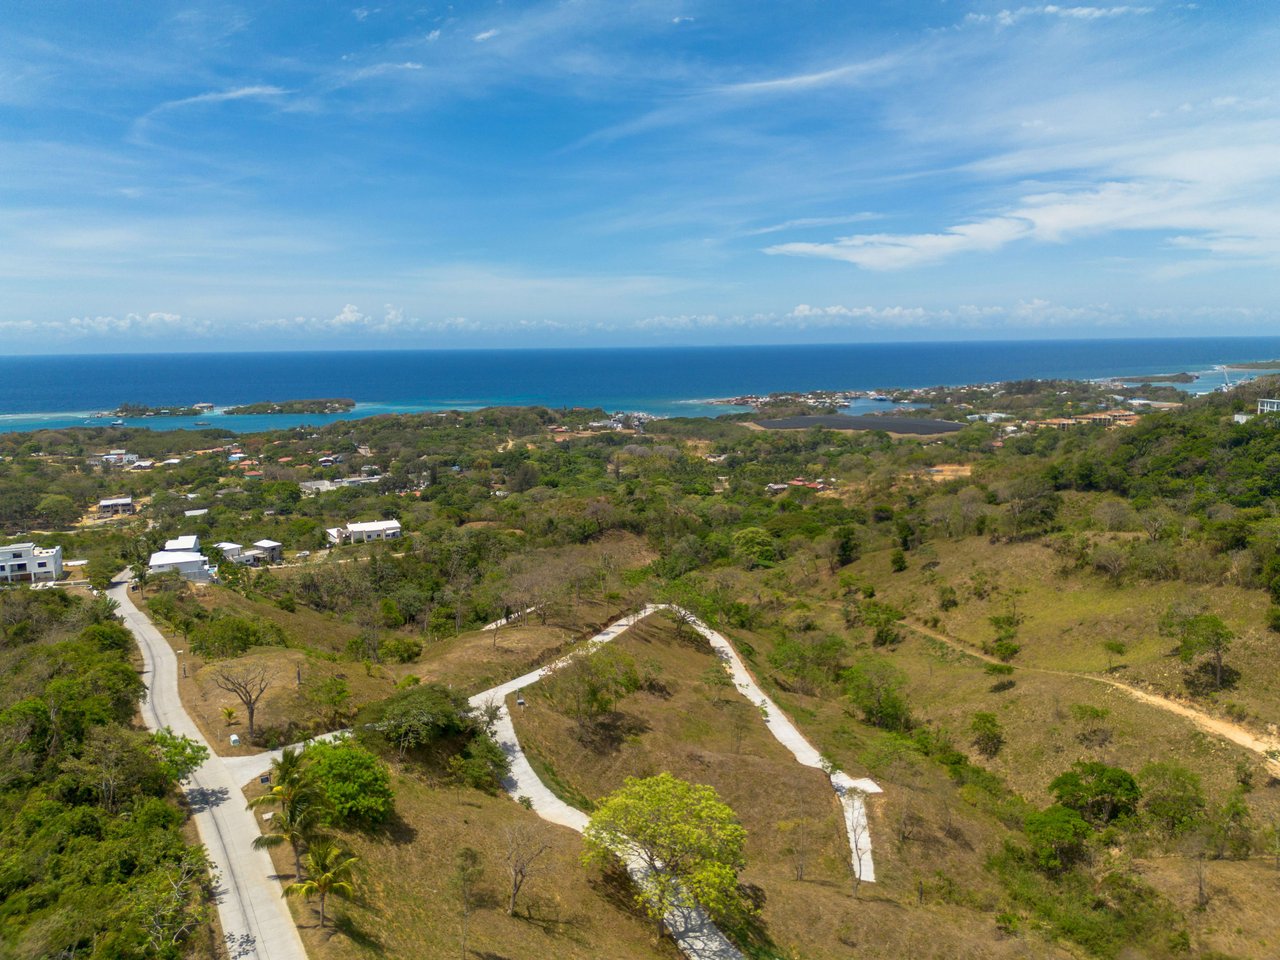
<point x="329" y="872"/>
<point x="297" y="824"/>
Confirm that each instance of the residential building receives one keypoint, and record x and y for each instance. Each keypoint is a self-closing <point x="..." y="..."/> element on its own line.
<point x="369" y="532"/>
<point x="116" y="506"/>
<point x="189" y="543"/>
<point x="25" y="562"/>
<point x="189" y="564"/>
<point x="1269" y="406"/>
<point x="271" y="551"/>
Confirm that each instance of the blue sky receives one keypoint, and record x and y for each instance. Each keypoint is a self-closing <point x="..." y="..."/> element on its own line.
<point x="219" y="176"/>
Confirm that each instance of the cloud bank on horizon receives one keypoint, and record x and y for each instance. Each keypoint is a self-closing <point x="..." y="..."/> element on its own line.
<point x="219" y="176"/>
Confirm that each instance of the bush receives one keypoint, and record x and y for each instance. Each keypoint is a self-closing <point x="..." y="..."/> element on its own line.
<point x="230" y="636"/>
<point x="874" y="686"/>
<point x="1097" y="792"/>
<point x="988" y="735"/>
<point x="400" y="649"/>
<point x="897" y="560"/>
<point x="355" y="783"/>
<point x="1057" y="837"/>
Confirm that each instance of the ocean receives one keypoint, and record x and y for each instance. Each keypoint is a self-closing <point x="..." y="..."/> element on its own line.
<point x="45" y="392"/>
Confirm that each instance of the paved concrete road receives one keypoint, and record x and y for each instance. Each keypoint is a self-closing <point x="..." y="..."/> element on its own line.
<point x="255" y="918"/>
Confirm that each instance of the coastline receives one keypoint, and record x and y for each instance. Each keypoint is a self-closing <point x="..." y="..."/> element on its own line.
<point x="663" y="382"/>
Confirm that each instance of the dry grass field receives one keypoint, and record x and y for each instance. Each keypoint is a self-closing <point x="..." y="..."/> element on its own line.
<point x="789" y="812"/>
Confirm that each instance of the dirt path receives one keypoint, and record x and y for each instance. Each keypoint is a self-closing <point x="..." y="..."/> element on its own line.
<point x="1265" y="747"/>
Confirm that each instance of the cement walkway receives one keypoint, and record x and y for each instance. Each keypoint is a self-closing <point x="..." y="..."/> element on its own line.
<point x="849" y="791"/>
<point x="693" y="932"/>
<point x="255" y="919"/>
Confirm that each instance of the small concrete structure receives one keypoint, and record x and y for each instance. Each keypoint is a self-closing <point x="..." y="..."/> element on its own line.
<point x="27" y="563"/>
<point x="189" y="543"/>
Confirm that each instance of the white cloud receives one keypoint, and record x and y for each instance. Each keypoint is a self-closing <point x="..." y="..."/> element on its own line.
<point x="433" y="36"/>
<point x="682" y="19"/>
<point x="1007" y="18"/>
<point x="887" y="251"/>
<point x="485" y="35"/>
<point x="257" y="92"/>
<point x="801" y="223"/>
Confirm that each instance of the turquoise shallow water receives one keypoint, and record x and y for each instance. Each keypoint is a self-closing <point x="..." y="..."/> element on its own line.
<point x="50" y="392"/>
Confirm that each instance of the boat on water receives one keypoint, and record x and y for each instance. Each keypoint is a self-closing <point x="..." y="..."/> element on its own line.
<point x="117" y="423"/>
<point x="203" y="423"/>
<point x="880" y="396"/>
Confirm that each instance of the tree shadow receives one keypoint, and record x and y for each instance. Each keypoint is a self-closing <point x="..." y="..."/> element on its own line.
<point x="201" y="799"/>
<point x="395" y="829"/>
<point x="344" y="924"/>
<point x="606" y="733"/>
<point x="1202" y="682"/>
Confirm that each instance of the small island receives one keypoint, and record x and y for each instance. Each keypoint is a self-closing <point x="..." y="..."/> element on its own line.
<point x="141" y="410"/>
<point x="327" y="405"/>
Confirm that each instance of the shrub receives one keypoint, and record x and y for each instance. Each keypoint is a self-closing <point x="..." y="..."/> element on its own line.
<point x="1097" y="792"/>
<point x="400" y="649"/>
<point x="988" y="735"/>
<point x="1057" y="837"/>
<point x="230" y="636"/>
<point x="353" y="781"/>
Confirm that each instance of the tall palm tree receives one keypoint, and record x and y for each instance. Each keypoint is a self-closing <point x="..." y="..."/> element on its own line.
<point x="297" y="824"/>
<point x="329" y="873"/>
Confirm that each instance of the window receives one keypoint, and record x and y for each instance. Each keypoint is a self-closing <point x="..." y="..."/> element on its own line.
<point x="42" y="564"/>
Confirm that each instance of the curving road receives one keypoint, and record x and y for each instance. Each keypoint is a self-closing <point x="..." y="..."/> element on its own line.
<point x="256" y="922"/>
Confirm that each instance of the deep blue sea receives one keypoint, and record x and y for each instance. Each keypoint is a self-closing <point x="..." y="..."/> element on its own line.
<point x="60" y="391"/>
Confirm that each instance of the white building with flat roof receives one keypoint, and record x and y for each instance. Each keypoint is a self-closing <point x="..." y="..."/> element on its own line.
<point x="27" y="563"/>
<point x="189" y="543"/>
<point x="114" y="506"/>
<point x="367" y="532"/>
<point x="189" y="564"/>
<point x="1269" y="406"/>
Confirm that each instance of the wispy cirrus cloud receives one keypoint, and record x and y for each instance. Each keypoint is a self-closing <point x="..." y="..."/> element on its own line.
<point x="1007" y="18"/>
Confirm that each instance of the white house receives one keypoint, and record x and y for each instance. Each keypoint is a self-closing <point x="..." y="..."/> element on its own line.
<point x="271" y="551"/>
<point x="115" y="506"/>
<point x="22" y="562"/>
<point x="1269" y="406"/>
<point x="230" y="550"/>
<point x="189" y="564"/>
<point x="190" y="543"/>
<point x="369" y="532"/>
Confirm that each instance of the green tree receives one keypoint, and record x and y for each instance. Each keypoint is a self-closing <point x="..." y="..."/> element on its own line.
<point x="1057" y="836"/>
<point x="754" y="547"/>
<point x="422" y="715"/>
<point x="1231" y="828"/>
<point x="179" y="755"/>
<point x="1097" y="792"/>
<point x="328" y="699"/>
<point x="874" y="686"/>
<point x="330" y="871"/>
<point x="298" y="823"/>
<point x="1171" y="796"/>
<point x="57" y="511"/>
<point x="354" y="783"/>
<point x="686" y="840"/>
<point x="897" y="560"/>
<point x="1197" y="635"/>
<point x="988" y="735"/>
